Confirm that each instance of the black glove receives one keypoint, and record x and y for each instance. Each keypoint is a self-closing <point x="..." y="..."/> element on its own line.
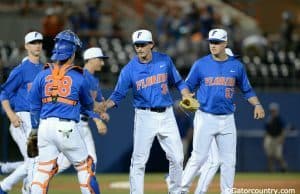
<point x="32" y="147"/>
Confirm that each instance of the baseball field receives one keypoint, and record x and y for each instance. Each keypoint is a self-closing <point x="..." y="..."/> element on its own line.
<point x="284" y="183"/>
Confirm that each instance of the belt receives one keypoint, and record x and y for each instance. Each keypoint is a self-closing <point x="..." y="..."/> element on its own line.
<point x="60" y="119"/>
<point x="68" y="120"/>
<point x="59" y="99"/>
<point x="154" y="109"/>
<point x="84" y="118"/>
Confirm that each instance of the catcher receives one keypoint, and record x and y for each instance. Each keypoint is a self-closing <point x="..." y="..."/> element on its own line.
<point x="56" y="96"/>
<point x="94" y="61"/>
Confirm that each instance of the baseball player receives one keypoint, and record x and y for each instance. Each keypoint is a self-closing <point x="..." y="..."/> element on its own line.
<point x="216" y="76"/>
<point x="94" y="61"/>
<point x="56" y="96"/>
<point x="150" y="74"/>
<point x="211" y="166"/>
<point x="15" y="90"/>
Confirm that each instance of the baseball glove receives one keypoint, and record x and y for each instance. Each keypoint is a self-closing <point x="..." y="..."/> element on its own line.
<point x="101" y="126"/>
<point x="32" y="147"/>
<point x="189" y="104"/>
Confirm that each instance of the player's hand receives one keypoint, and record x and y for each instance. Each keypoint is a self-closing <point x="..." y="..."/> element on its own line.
<point x="101" y="126"/>
<point x="105" y="116"/>
<point x="100" y="107"/>
<point x="188" y="95"/>
<point x="259" y="112"/>
<point x="15" y="120"/>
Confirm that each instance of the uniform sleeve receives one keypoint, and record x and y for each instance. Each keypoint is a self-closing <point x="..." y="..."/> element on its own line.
<point x="85" y="96"/>
<point x="92" y="114"/>
<point x="35" y="100"/>
<point x="244" y="84"/>
<point x="193" y="78"/>
<point x="122" y="87"/>
<point x="5" y="96"/>
<point x="175" y="78"/>
<point x="12" y="83"/>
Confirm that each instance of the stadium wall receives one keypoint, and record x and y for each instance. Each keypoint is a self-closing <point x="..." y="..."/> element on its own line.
<point x="114" y="149"/>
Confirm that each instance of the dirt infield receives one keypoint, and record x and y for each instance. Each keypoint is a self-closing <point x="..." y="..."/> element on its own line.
<point x="241" y="183"/>
<point x="154" y="183"/>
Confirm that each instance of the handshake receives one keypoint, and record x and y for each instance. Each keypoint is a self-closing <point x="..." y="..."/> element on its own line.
<point x="101" y="108"/>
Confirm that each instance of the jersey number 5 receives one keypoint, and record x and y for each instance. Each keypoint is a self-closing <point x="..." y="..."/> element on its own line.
<point x="64" y="86"/>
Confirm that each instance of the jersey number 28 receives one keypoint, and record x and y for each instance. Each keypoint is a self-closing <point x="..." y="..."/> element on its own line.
<point x="64" y="86"/>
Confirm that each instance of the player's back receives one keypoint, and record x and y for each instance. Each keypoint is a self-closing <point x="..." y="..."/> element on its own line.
<point x="72" y="90"/>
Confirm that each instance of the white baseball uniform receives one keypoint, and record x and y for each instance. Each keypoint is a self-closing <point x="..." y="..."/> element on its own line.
<point x="215" y="82"/>
<point x="209" y="169"/>
<point x="149" y="125"/>
<point x="154" y="116"/>
<point x="85" y="131"/>
<point x="8" y="167"/>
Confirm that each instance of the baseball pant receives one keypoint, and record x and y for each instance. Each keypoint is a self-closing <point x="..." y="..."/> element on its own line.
<point x="58" y="135"/>
<point x="63" y="163"/>
<point x="9" y="167"/>
<point x="147" y="126"/>
<point x="208" y="127"/>
<point x="209" y="169"/>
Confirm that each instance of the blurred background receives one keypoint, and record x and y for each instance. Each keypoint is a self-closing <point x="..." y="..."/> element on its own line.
<point x="266" y="38"/>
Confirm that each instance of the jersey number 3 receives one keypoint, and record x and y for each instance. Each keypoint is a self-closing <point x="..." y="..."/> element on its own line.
<point x="64" y="86"/>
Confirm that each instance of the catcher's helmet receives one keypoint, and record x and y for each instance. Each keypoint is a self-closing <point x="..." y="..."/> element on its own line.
<point x="66" y="44"/>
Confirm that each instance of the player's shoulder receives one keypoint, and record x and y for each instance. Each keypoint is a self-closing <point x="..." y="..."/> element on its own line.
<point x="88" y="76"/>
<point x="130" y="64"/>
<point x="235" y="61"/>
<point x="77" y="69"/>
<point x="86" y="73"/>
<point x="17" y="69"/>
<point x="203" y="60"/>
<point x="45" y="71"/>
<point x="27" y="64"/>
<point x="72" y="68"/>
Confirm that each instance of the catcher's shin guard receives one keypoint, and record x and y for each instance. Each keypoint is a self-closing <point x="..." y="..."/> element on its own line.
<point x="87" y="178"/>
<point x="45" y="171"/>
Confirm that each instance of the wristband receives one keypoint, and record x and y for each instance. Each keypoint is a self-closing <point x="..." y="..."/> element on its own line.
<point x="257" y="105"/>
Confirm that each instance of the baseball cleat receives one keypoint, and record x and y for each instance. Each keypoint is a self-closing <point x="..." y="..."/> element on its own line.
<point x="2" y="192"/>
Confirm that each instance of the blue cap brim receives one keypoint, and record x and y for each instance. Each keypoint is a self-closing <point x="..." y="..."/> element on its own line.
<point x="141" y="42"/>
<point x="35" y="40"/>
<point x="216" y="40"/>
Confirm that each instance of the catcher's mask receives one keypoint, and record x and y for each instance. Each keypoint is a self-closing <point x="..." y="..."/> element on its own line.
<point x="66" y="44"/>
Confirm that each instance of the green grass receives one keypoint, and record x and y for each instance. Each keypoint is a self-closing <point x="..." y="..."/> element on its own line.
<point x="154" y="183"/>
